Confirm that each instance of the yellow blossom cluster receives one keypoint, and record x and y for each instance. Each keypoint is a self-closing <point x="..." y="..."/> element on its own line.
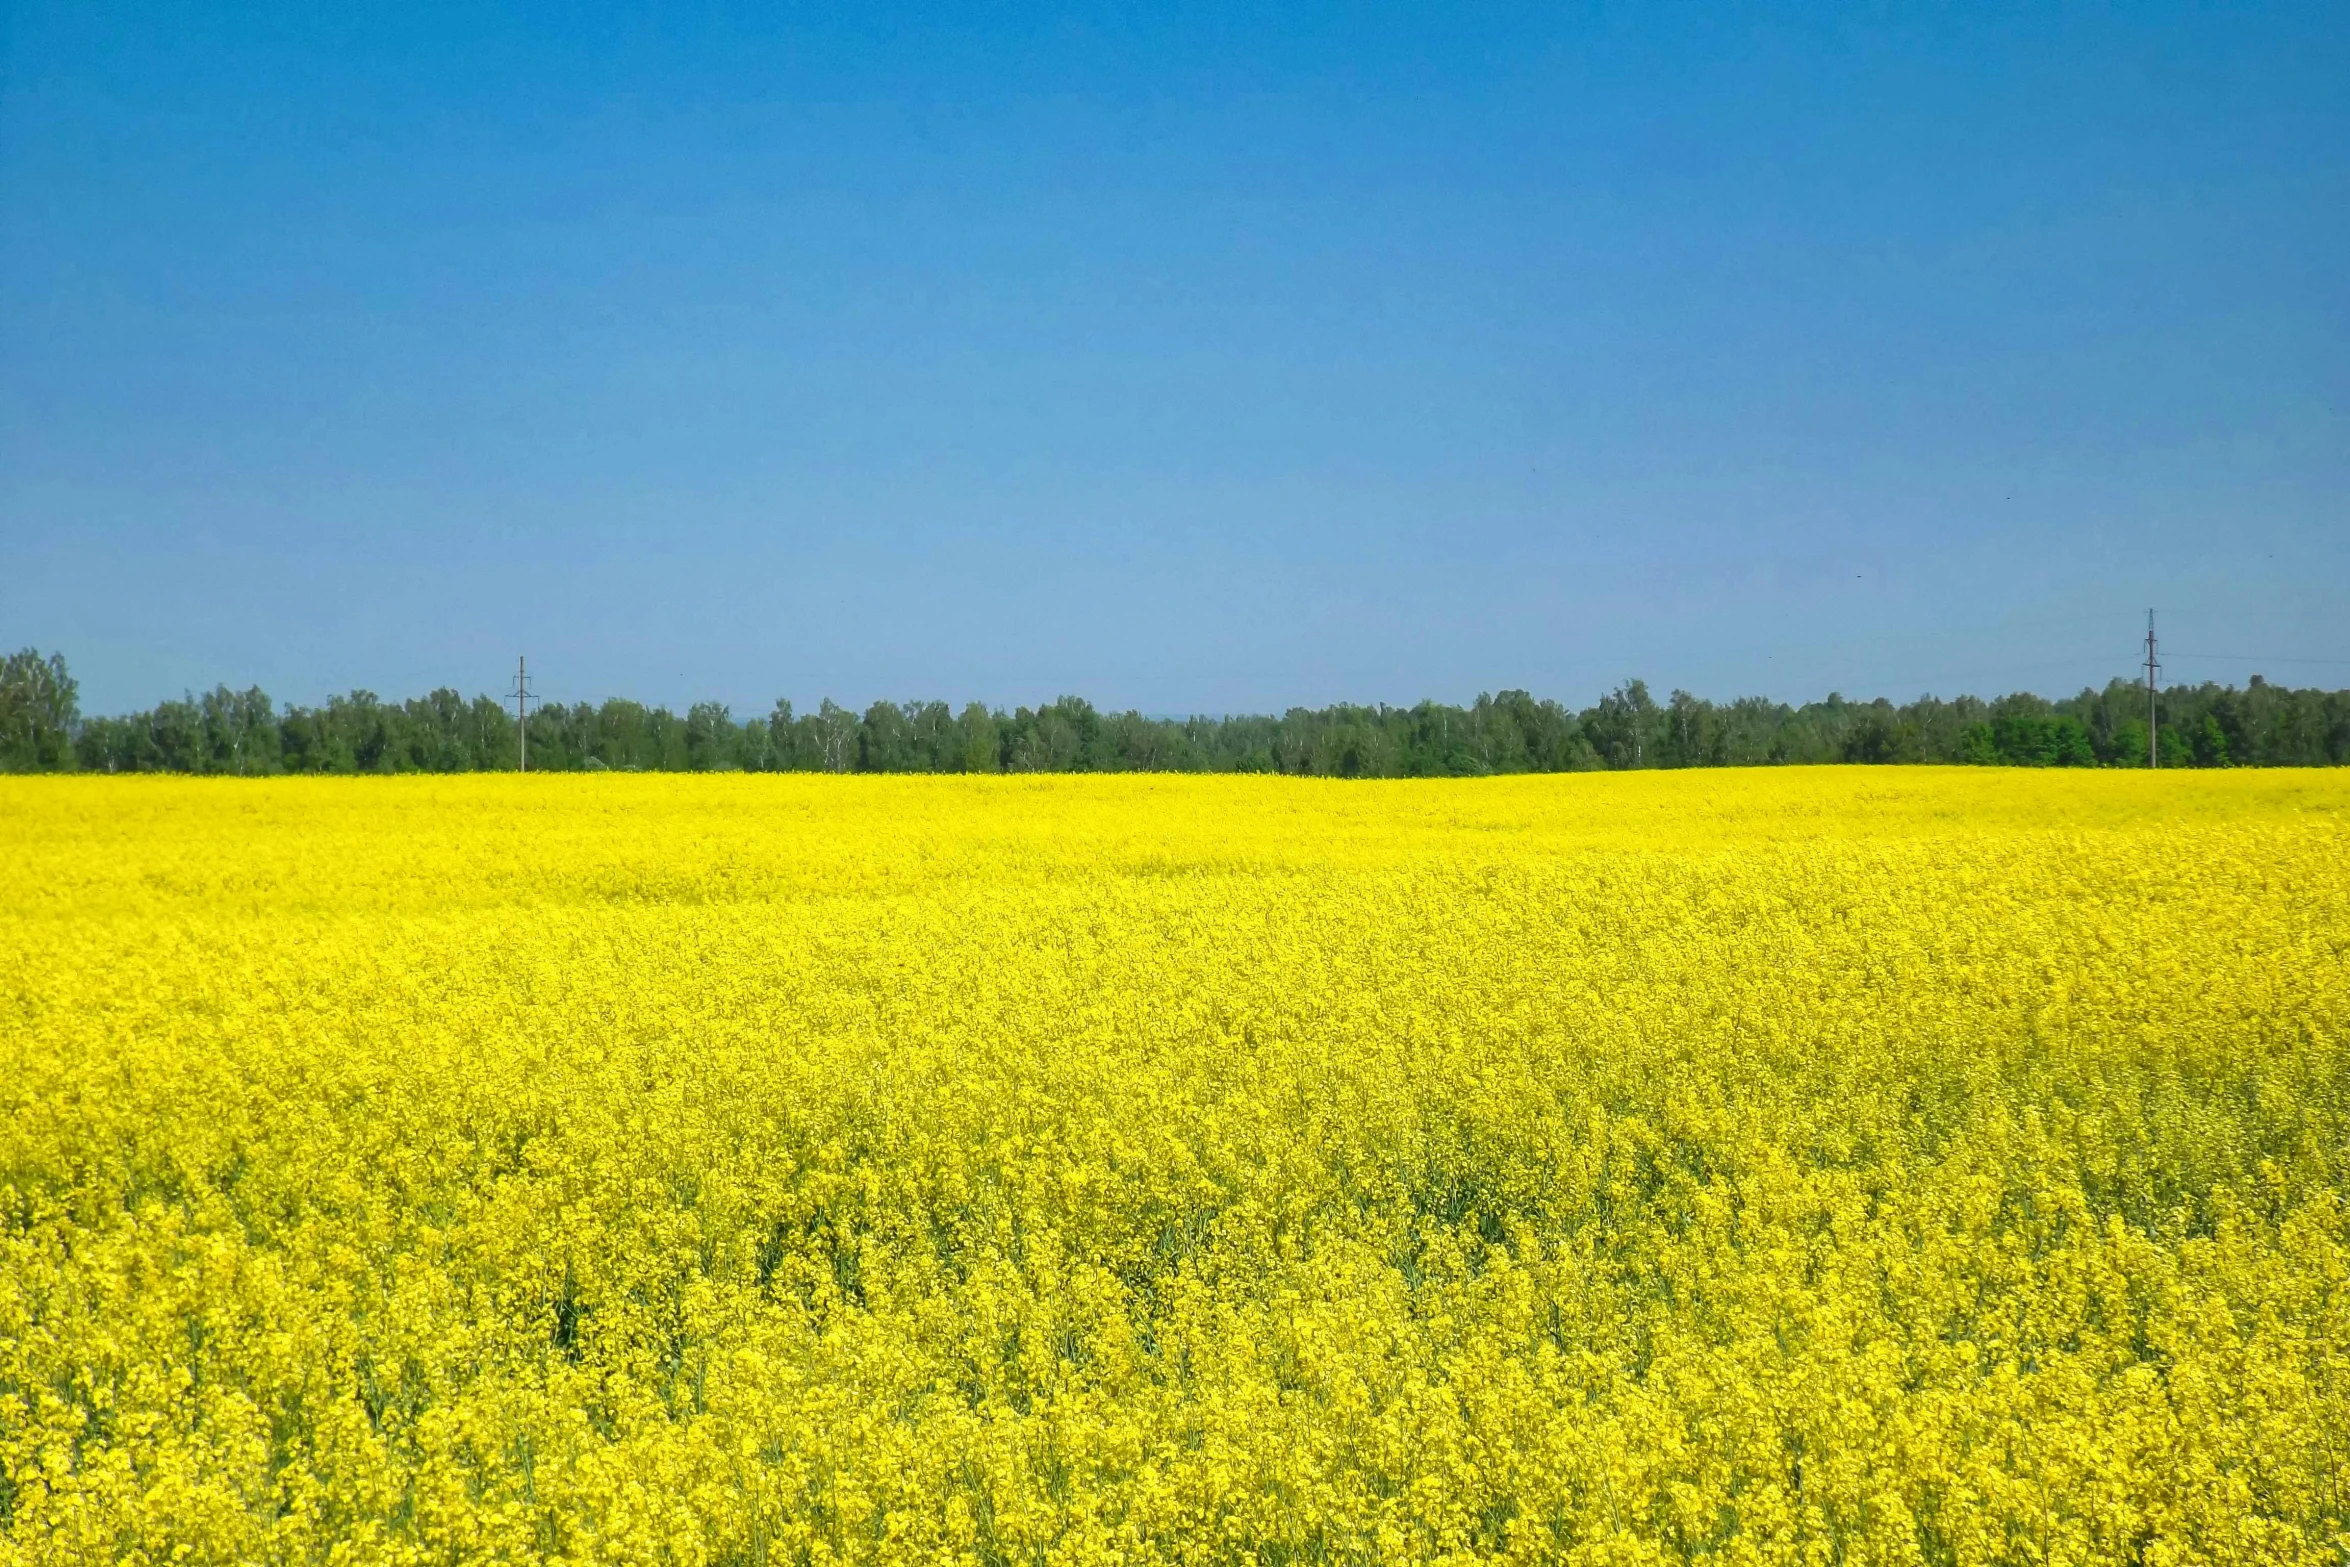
<point x="1833" y="1166"/>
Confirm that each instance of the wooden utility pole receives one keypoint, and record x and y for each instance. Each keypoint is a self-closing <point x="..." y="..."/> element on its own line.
<point x="2153" y="674"/>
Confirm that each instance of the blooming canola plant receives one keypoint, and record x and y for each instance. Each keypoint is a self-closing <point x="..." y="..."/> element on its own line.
<point x="1835" y="1165"/>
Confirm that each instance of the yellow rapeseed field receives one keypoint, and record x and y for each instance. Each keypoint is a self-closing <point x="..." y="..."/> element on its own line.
<point x="1843" y="1166"/>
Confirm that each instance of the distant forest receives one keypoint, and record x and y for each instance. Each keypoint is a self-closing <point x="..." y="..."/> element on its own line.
<point x="244" y="732"/>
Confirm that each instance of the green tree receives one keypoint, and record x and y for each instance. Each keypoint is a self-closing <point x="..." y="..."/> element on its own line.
<point x="710" y="738"/>
<point x="38" y="712"/>
<point x="979" y="740"/>
<point x="2209" y="740"/>
<point x="236" y="732"/>
<point x="1689" y="736"/>
<point x="1622" y="726"/>
<point x="1878" y="738"/>
<point x="240" y="731"/>
<point x="885" y="741"/>
<point x="836" y="737"/>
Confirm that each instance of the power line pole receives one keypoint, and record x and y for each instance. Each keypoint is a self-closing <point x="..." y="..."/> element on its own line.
<point x="2153" y="674"/>
<point x="520" y="697"/>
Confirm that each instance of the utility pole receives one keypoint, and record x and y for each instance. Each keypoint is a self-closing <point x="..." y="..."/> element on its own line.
<point x="2153" y="674"/>
<point x="520" y="697"/>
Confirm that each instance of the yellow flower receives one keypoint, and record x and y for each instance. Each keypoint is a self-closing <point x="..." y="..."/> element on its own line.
<point x="1780" y="1166"/>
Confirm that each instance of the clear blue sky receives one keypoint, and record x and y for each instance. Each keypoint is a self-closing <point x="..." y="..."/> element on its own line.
<point x="1194" y="358"/>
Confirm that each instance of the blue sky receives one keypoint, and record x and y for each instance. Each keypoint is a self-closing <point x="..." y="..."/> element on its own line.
<point x="1194" y="358"/>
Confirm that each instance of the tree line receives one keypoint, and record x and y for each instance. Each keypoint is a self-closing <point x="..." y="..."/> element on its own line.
<point x="244" y="732"/>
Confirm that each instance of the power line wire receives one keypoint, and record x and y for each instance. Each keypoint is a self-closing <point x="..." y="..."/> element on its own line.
<point x="2259" y="658"/>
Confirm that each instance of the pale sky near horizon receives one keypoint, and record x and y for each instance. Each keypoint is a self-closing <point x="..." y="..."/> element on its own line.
<point x="1190" y="358"/>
